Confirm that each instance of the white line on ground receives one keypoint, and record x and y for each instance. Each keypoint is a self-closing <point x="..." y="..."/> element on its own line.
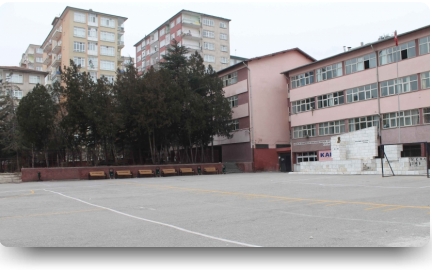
<point x="343" y="185"/>
<point x="157" y="222"/>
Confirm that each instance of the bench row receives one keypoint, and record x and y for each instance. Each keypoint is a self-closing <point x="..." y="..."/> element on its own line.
<point x="149" y="173"/>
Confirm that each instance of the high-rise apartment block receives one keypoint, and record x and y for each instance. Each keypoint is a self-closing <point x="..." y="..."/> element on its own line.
<point x="91" y="39"/>
<point x="32" y="58"/>
<point x="207" y="34"/>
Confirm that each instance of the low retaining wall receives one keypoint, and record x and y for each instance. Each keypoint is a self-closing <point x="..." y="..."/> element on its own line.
<point x="77" y="173"/>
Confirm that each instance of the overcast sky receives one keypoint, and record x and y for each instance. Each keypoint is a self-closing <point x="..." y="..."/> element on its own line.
<point x="256" y="28"/>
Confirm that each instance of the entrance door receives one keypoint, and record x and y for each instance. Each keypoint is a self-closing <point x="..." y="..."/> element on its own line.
<point x="285" y="162"/>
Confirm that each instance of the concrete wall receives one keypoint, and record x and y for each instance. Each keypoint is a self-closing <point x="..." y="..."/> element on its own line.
<point x="238" y="152"/>
<point x="266" y="159"/>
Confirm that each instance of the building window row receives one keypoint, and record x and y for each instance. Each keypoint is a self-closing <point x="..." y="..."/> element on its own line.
<point x="233" y="101"/>
<point x="34" y="79"/>
<point x="306" y="157"/>
<point x="235" y="125"/>
<point x="79" y="32"/>
<point x="304" y="131"/>
<point x="208" y="22"/>
<point x="332" y="127"/>
<point x="370" y="91"/>
<point x="386" y="56"/>
<point x="79" y="46"/>
<point x="405" y="118"/>
<point x="229" y="79"/>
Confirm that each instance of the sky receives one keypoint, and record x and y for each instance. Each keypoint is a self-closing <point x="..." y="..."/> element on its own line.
<point x="257" y="28"/>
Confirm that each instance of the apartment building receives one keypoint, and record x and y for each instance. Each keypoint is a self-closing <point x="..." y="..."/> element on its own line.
<point x="258" y="97"/>
<point x="91" y="39"/>
<point x="380" y="84"/>
<point x="32" y="58"/>
<point x="125" y="61"/>
<point x="207" y="34"/>
<point x="19" y="81"/>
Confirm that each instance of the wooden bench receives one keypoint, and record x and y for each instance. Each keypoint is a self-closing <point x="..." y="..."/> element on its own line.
<point x="97" y="175"/>
<point x="209" y="170"/>
<point x="123" y="174"/>
<point x="186" y="171"/>
<point x="143" y="173"/>
<point x="166" y="172"/>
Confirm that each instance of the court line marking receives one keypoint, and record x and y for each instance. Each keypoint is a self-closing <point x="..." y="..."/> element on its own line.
<point x="156" y="222"/>
<point x="52" y="213"/>
<point x="250" y="195"/>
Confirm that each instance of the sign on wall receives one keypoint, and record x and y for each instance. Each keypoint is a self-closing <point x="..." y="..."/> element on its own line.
<point x="324" y="155"/>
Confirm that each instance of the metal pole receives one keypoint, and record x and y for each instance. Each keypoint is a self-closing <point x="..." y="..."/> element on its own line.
<point x="397" y="84"/>
<point x="382" y="163"/>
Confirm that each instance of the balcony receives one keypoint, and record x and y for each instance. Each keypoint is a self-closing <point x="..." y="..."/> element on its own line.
<point x="55" y="76"/>
<point x="120" y="43"/>
<point x="192" y="47"/>
<point x="47" y="60"/>
<point x="57" y="61"/>
<point x="92" y="38"/>
<point x="191" y="23"/>
<point x="57" y="48"/>
<point x="57" y="33"/>
<point x="92" y="52"/>
<point x="120" y="29"/>
<point x="48" y="47"/>
<point x="191" y="36"/>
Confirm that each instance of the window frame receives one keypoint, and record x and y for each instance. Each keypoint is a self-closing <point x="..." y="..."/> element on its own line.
<point x="395" y="54"/>
<point x="326" y="127"/>
<point x="331" y="100"/>
<point x="34" y="79"/>
<point x="304" y="131"/>
<point x="368" y="121"/>
<point x="403" y="119"/>
<point x="310" y="156"/>
<point x="359" y="63"/>
<point x="208" y="34"/>
<point x="303" y="79"/>
<point x="78" y="15"/>
<point x="296" y="106"/>
<point x="233" y="101"/>
<point x="426" y="43"/>
<point x="230" y="79"/>
<point x="78" y="30"/>
<point x="333" y="70"/>
<point x="79" y="46"/>
<point x="426" y="112"/>
<point x="395" y="85"/>
<point x="364" y="92"/>
<point x="425" y="80"/>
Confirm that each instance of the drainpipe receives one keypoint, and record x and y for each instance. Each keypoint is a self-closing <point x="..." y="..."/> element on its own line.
<point x="251" y="135"/>
<point x="378" y="96"/>
<point x="289" y="122"/>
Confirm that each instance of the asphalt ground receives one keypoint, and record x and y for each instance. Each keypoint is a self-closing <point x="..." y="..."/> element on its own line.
<point x="233" y="210"/>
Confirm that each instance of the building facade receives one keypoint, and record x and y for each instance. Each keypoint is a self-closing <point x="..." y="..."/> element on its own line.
<point x="258" y="97"/>
<point x="32" y="58"/>
<point x="19" y="81"/>
<point x="378" y="84"/>
<point x="206" y="34"/>
<point x="91" y="39"/>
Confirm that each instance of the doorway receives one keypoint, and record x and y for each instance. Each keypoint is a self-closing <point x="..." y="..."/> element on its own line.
<point x="285" y="162"/>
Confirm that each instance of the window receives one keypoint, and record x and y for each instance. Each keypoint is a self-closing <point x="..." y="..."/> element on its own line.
<point x="302" y="79"/>
<point x="18" y="94"/>
<point x="222" y="25"/>
<point x="79" y="46"/>
<point x="333" y="127"/>
<point x="39" y="68"/>
<point x="362" y="93"/>
<point x="209" y="46"/>
<point x="224" y="48"/>
<point x="162" y="43"/>
<point x="79" y="32"/>
<point x="328" y="72"/>
<point x="303" y="105"/>
<point x="397" y="53"/>
<point x="229" y="79"/>
<point x="406" y="118"/>
<point x="105" y="50"/>
<point x="92" y="18"/>
<point x="92" y="46"/>
<point x="360" y="63"/>
<point x="92" y="32"/>
<point x="109" y="77"/>
<point x="363" y="122"/>
<point x="208" y="34"/>
<point x="93" y="76"/>
<point x="209" y="58"/>
<point x="233" y="101"/>
<point x="39" y="59"/>
<point x="424" y="45"/>
<point x="139" y="48"/>
<point x="162" y="32"/>
<point x="16" y="78"/>
<point x="179" y="32"/>
<point x="139" y="58"/>
<point x="34" y="79"/>
<point x="92" y="62"/>
<point x="304" y="131"/>
<point x="172" y="24"/>
<point x="39" y="50"/>
<point x="224" y="60"/>
<point x="223" y="36"/>
<point x="107" y="36"/>
<point x="208" y="22"/>
<point x="426" y="115"/>
<point x="306" y="157"/>
<point x="331" y="99"/>
<point x="107" y="65"/>
<point x="107" y="22"/>
<point x="401" y="85"/>
<point x="234" y="124"/>
<point x="79" y="61"/>
<point x="178" y="20"/>
<point x="79" y="17"/>
<point x="425" y="80"/>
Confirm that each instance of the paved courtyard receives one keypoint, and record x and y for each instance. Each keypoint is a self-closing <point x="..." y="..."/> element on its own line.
<point x="233" y="210"/>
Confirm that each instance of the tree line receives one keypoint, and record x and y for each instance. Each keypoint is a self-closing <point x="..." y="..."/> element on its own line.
<point x="178" y="107"/>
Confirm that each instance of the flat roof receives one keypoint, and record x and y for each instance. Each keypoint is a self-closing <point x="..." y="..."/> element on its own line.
<point x="268" y="55"/>
<point x="77" y="9"/>
<point x="356" y="49"/>
<point x="183" y="10"/>
<point x="25" y="70"/>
